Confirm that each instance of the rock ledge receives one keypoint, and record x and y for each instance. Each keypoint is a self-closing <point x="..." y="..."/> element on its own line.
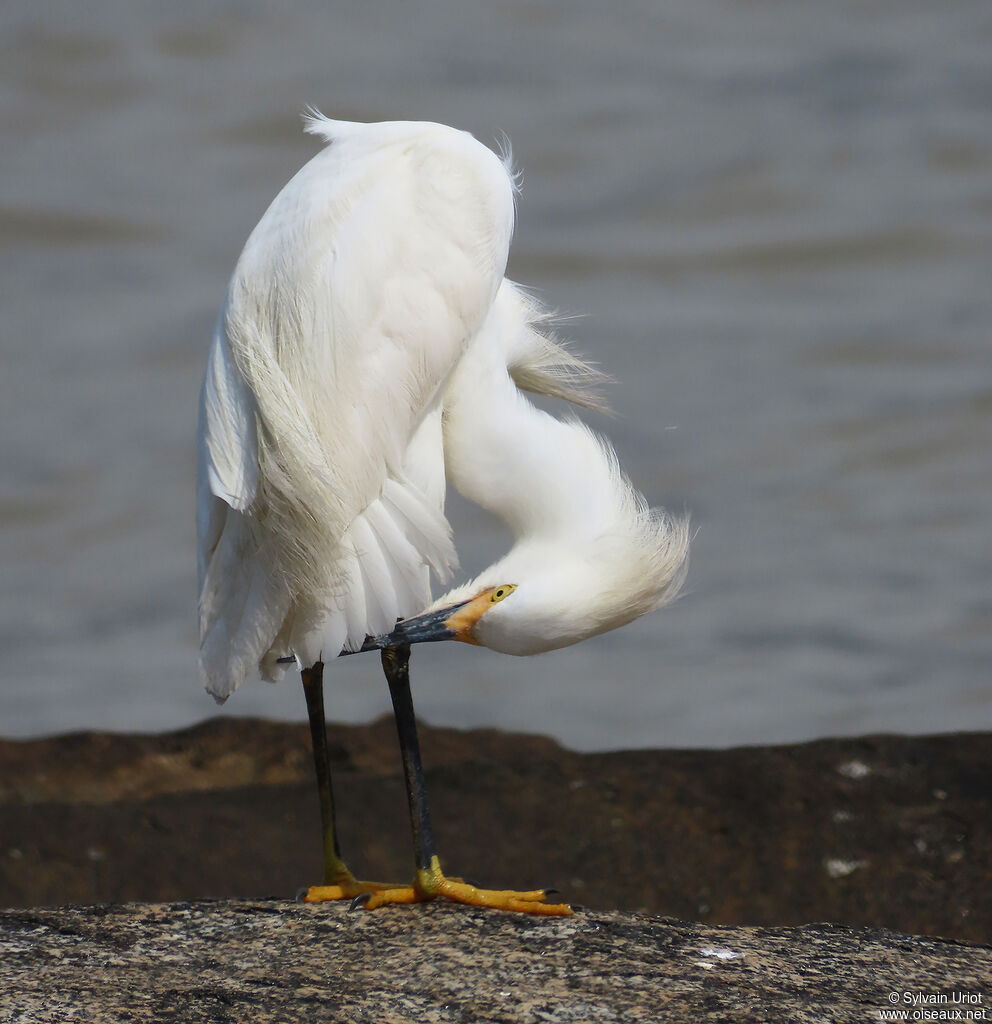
<point x="276" y="961"/>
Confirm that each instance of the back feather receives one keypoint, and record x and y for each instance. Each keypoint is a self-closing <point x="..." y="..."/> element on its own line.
<point x="539" y="362"/>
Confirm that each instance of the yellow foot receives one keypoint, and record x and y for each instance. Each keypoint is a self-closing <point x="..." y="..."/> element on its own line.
<point x="345" y="889"/>
<point x="431" y="883"/>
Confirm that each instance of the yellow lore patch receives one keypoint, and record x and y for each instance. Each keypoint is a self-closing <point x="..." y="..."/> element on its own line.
<point x="463" y="621"/>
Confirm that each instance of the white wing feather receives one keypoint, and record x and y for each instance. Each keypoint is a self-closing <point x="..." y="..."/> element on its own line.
<point x="241" y="601"/>
<point x="227" y="433"/>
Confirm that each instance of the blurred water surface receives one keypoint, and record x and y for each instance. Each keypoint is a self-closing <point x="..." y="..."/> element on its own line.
<point x="776" y="220"/>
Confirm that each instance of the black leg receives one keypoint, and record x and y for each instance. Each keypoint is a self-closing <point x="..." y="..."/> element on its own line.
<point x="335" y="869"/>
<point x="396" y="665"/>
<point x="430" y="882"/>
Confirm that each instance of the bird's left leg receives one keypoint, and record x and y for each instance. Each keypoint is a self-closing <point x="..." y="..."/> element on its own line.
<point x="429" y="881"/>
<point x="339" y="882"/>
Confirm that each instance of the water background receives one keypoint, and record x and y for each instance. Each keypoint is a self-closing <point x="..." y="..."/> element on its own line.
<point x="775" y="220"/>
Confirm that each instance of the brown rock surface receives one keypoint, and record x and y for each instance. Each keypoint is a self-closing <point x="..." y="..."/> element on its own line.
<point x="883" y="831"/>
<point x="274" y="961"/>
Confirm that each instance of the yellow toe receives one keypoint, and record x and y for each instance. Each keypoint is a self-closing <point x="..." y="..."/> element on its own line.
<point x="346" y="890"/>
<point x="431" y="883"/>
<point x="395" y="894"/>
<point x="529" y="902"/>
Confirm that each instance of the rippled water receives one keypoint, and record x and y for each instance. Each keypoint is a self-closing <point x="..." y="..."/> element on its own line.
<point x="776" y="220"/>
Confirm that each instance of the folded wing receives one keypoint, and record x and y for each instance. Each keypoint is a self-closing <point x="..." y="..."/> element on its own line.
<point x="320" y="507"/>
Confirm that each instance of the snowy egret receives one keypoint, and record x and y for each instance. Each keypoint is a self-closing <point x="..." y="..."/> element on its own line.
<point x="370" y="345"/>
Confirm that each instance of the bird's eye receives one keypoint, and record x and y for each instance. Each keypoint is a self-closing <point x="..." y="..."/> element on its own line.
<point x="500" y="592"/>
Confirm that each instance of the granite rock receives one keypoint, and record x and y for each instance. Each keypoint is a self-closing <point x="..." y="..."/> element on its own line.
<point x="276" y="961"/>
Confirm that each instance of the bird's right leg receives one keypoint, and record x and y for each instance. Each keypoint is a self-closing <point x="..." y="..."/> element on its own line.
<point x="339" y="882"/>
<point x="429" y="881"/>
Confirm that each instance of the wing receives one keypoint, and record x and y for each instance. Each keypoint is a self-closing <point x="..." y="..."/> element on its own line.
<point x="353" y="300"/>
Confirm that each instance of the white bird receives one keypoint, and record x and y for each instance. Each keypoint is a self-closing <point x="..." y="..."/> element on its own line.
<point x="369" y="348"/>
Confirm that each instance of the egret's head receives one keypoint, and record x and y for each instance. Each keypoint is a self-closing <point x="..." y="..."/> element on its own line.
<point x="563" y="591"/>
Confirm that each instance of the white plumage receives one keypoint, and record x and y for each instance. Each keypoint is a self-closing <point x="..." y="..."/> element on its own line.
<point x="368" y="344"/>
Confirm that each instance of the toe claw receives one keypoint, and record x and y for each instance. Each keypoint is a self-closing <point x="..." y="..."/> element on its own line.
<point x="359" y="901"/>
